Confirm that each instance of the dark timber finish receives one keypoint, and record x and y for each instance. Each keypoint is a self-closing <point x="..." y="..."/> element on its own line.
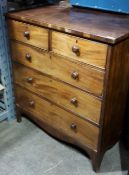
<point x="105" y="27"/>
<point x="126" y="125"/>
<point x="74" y="67"/>
<point x="116" y="93"/>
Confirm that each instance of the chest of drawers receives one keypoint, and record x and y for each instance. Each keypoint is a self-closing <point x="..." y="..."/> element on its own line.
<point x="71" y="74"/>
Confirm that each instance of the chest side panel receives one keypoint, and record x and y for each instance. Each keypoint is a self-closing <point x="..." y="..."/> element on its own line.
<point x="116" y="94"/>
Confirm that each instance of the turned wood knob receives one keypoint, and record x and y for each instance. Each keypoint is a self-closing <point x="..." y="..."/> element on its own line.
<point x="74" y="101"/>
<point x="31" y="103"/>
<point x="73" y="126"/>
<point x="26" y="34"/>
<point x="28" y="57"/>
<point x="75" y="75"/>
<point x="29" y="79"/>
<point x="76" y="49"/>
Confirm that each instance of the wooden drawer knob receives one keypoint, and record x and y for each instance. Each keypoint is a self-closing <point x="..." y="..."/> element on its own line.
<point x="29" y="80"/>
<point x="76" y="50"/>
<point x="26" y="34"/>
<point x="75" y="75"/>
<point x="74" y="101"/>
<point x="28" y="57"/>
<point x="73" y="126"/>
<point x="31" y="103"/>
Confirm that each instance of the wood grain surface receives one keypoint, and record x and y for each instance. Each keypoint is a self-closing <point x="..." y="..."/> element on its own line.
<point x="116" y="94"/>
<point x="72" y="73"/>
<point x="58" y="118"/>
<point x="96" y="25"/>
<point x="89" y="79"/>
<point x="85" y="105"/>
<point x="126" y="125"/>
<point x="37" y="36"/>
<point x="90" y="52"/>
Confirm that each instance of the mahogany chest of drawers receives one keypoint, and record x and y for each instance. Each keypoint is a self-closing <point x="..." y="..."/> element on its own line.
<point x="71" y="73"/>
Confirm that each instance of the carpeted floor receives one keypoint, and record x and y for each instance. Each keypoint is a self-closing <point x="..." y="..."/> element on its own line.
<point x="27" y="150"/>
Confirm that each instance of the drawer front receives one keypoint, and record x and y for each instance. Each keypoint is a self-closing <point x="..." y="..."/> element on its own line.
<point x="77" y="101"/>
<point x="29" y="34"/>
<point x="58" y="118"/>
<point x="90" y="52"/>
<point x="76" y="74"/>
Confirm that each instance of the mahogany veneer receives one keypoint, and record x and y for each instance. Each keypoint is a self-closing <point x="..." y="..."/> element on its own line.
<point x="126" y="126"/>
<point x="71" y="73"/>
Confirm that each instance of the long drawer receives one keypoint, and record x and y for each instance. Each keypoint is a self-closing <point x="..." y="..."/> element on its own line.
<point x="77" y="101"/>
<point x="57" y="118"/>
<point x="74" y="73"/>
<point x="29" y="34"/>
<point x="87" y="51"/>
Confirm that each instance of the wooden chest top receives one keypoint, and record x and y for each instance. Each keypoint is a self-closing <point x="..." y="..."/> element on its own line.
<point x="100" y="26"/>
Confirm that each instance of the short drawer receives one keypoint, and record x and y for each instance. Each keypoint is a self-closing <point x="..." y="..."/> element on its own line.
<point x="87" y="51"/>
<point x="69" y="71"/>
<point x="29" y="34"/>
<point x="72" y="99"/>
<point x="57" y="118"/>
